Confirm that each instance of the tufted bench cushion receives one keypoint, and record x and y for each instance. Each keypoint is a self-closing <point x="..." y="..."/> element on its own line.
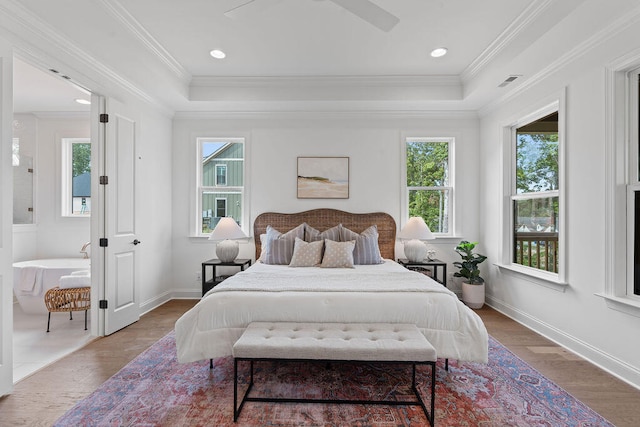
<point x="334" y="341"/>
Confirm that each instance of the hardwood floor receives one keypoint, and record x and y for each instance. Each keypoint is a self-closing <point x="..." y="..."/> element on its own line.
<point x="42" y="398"/>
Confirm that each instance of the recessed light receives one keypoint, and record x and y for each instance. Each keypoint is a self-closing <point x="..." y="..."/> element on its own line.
<point x="218" y="54"/>
<point x="83" y="101"/>
<point x="438" y="52"/>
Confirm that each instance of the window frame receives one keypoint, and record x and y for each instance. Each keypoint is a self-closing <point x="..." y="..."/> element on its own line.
<point x="557" y="281"/>
<point x="224" y="168"/>
<point x="450" y="140"/>
<point x="621" y="126"/>
<point x="66" y="181"/>
<point x="200" y="189"/>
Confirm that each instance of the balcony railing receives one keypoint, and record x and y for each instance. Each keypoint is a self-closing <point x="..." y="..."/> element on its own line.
<point x="537" y="249"/>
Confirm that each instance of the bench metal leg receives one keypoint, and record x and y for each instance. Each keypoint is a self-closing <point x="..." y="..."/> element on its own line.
<point x="246" y="398"/>
<point x="85" y="320"/>
<point x="48" y="321"/>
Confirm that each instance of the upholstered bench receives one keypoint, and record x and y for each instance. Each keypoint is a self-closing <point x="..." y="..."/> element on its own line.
<point x="334" y="342"/>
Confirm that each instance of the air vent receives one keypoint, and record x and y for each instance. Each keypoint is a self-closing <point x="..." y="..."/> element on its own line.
<point x="508" y="80"/>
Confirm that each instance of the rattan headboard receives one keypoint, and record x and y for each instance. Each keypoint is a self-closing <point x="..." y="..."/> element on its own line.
<point x="322" y="219"/>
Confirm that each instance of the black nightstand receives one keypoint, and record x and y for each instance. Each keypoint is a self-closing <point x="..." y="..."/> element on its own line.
<point x="435" y="263"/>
<point x="207" y="285"/>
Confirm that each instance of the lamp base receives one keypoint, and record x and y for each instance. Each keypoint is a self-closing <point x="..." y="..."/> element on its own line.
<point x="227" y="250"/>
<point x="415" y="250"/>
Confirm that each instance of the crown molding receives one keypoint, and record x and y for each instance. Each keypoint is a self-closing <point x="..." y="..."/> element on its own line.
<point x="326" y="88"/>
<point x="348" y="115"/>
<point x="613" y="29"/>
<point x="118" y="11"/>
<point x="32" y="33"/>
<point x="530" y="14"/>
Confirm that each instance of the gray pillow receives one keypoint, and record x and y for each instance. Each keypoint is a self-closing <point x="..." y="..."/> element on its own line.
<point x="278" y="248"/>
<point x="313" y="235"/>
<point x="366" y="250"/>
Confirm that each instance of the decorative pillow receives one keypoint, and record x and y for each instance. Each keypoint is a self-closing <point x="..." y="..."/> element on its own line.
<point x="278" y="247"/>
<point x="367" y="250"/>
<point x="306" y="254"/>
<point x="338" y="254"/>
<point x="312" y="235"/>
<point x="263" y="243"/>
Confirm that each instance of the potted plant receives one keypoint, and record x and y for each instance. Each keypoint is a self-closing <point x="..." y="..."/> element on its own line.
<point x="473" y="286"/>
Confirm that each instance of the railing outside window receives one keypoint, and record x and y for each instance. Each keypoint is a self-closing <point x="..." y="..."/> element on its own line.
<point x="537" y="249"/>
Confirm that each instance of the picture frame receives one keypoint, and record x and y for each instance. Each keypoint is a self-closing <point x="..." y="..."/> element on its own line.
<point x="323" y="178"/>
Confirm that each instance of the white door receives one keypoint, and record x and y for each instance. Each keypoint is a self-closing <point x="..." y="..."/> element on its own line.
<point x="6" y="224"/>
<point x="121" y="297"/>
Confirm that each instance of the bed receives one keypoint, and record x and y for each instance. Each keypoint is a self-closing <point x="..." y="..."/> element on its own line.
<point x="372" y="293"/>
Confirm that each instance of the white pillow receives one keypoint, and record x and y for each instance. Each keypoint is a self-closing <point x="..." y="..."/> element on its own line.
<point x="306" y="254"/>
<point x="338" y="254"/>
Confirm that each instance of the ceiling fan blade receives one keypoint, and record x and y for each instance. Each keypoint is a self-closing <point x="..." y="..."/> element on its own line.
<point x="249" y="7"/>
<point x="370" y="12"/>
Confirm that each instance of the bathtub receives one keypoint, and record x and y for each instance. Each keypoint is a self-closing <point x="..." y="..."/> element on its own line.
<point x="31" y="279"/>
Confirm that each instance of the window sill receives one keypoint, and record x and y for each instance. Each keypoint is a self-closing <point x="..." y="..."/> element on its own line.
<point x="541" y="278"/>
<point x="445" y="240"/>
<point x="624" y="304"/>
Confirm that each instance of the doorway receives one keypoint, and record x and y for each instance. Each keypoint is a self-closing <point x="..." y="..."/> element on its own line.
<point x="48" y="111"/>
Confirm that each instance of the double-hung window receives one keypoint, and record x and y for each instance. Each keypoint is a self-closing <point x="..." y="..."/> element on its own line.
<point x="534" y="242"/>
<point x="221" y="178"/>
<point x="536" y="193"/>
<point x="429" y="182"/>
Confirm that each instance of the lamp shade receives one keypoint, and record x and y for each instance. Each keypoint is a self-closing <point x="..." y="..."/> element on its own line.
<point x="227" y="229"/>
<point x="417" y="229"/>
<point x="226" y="233"/>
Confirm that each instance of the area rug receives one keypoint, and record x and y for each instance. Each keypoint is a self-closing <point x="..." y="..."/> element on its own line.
<point x="155" y="390"/>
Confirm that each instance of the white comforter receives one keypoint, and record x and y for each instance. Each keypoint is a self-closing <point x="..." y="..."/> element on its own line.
<point x="385" y="293"/>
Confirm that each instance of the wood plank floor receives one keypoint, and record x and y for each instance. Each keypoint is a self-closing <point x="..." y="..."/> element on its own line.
<point x="42" y="398"/>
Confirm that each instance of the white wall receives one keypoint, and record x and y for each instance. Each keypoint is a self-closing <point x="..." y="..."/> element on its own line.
<point x="51" y="236"/>
<point x="576" y="318"/>
<point x="274" y="141"/>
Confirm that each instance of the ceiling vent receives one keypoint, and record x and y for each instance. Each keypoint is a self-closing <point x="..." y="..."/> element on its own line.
<point x="509" y="80"/>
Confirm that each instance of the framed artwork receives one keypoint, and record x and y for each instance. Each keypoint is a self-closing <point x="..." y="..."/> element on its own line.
<point x="323" y="177"/>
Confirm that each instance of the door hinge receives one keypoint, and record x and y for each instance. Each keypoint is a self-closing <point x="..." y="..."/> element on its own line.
<point x="104" y="118"/>
<point x="104" y="242"/>
<point x="103" y="304"/>
<point x="104" y="180"/>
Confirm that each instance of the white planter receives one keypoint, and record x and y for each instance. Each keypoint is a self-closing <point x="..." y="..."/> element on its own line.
<point x="473" y="295"/>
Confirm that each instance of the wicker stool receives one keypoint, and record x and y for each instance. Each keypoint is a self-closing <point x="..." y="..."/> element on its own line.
<point x="70" y="299"/>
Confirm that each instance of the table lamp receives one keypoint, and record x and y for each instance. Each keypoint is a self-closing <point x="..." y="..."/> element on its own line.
<point x="226" y="233"/>
<point x="414" y="231"/>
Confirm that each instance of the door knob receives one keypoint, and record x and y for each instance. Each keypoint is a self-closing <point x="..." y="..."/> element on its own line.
<point x="136" y="242"/>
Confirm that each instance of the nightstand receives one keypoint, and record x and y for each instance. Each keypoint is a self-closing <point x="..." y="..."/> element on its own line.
<point x="207" y="285"/>
<point x="434" y="263"/>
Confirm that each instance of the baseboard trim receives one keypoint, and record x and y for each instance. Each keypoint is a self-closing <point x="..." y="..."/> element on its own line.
<point x="616" y="367"/>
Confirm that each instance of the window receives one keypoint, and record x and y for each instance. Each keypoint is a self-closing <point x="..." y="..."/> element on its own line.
<point x="536" y="202"/>
<point x="633" y="190"/>
<point x="429" y="184"/>
<point x="534" y="237"/>
<point x="76" y="177"/>
<point x="221" y="174"/>
<point x="221" y="177"/>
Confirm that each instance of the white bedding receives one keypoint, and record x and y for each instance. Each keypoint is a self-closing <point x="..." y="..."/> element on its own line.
<point x="385" y="293"/>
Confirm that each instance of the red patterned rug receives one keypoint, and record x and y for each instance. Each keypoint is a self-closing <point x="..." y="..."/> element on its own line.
<point x="155" y="390"/>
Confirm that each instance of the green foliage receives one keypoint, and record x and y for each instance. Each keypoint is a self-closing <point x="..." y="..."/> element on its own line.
<point x="536" y="162"/>
<point x="469" y="264"/>
<point x="428" y="166"/>
<point x="81" y="158"/>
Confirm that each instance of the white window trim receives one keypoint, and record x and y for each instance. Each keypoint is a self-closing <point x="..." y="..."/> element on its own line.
<point x="404" y="189"/>
<point x="620" y="129"/>
<point x="557" y="281"/>
<point x="196" y="215"/>
<point x="66" y="181"/>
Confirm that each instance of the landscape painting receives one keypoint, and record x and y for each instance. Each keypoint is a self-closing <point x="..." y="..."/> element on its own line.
<point x="323" y="177"/>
